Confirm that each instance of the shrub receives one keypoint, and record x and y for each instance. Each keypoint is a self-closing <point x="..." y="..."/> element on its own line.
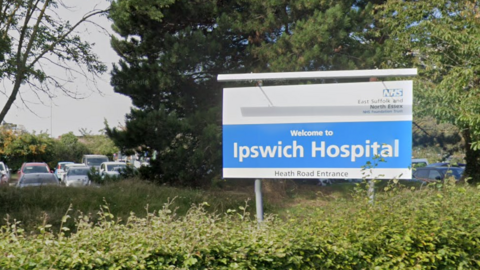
<point x="435" y="228"/>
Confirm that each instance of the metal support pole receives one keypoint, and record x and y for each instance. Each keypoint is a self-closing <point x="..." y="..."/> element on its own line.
<point x="371" y="191"/>
<point x="259" y="200"/>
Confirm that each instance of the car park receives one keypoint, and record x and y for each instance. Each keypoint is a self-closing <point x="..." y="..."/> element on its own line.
<point x="77" y="176"/>
<point x="430" y="174"/>
<point x="33" y="167"/>
<point x="4" y="172"/>
<point x="112" y="169"/>
<point x="60" y="169"/>
<point x="37" y="179"/>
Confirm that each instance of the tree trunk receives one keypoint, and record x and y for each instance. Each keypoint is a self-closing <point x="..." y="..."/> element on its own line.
<point x="13" y="96"/>
<point x="472" y="157"/>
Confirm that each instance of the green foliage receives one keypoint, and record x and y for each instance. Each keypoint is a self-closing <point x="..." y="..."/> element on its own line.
<point x="99" y="145"/>
<point x="440" y="37"/>
<point x="33" y="206"/>
<point x="19" y="147"/>
<point x="68" y="148"/>
<point x="95" y="176"/>
<point x="169" y="66"/>
<point x="437" y="141"/>
<point x="435" y="228"/>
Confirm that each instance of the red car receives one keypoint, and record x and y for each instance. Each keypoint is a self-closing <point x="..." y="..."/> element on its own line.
<point x="33" y="167"/>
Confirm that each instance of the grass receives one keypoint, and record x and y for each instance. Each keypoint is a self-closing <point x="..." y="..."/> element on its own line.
<point x="47" y="205"/>
<point x="37" y="205"/>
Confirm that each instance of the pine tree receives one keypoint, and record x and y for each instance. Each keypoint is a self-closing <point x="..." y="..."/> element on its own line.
<point x="172" y="51"/>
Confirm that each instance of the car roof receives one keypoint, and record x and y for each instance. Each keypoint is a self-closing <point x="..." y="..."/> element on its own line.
<point x="75" y="165"/>
<point x="94" y="156"/>
<point x="34" y="163"/>
<point x="65" y="162"/>
<point x="439" y="168"/>
<point x="82" y="167"/>
<point x="113" y="163"/>
<point x="446" y="164"/>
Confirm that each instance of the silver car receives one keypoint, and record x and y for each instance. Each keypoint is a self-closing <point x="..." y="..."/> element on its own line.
<point x="77" y="176"/>
<point x="68" y="167"/>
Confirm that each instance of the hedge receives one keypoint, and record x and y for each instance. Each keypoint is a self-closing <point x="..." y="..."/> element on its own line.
<point x="434" y="228"/>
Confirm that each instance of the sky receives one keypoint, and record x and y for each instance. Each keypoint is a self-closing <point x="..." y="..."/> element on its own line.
<point x="64" y="114"/>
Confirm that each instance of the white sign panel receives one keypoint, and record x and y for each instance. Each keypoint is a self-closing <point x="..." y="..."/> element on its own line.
<point x="318" y="131"/>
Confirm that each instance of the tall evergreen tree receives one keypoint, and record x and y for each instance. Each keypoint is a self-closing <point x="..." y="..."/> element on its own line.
<point x="172" y="50"/>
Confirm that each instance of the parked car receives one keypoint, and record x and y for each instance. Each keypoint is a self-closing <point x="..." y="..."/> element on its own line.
<point x="37" y="179"/>
<point x="4" y="172"/>
<point x="437" y="173"/>
<point x="447" y="164"/>
<point x="3" y="179"/>
<point x="77" y="176"/>
<point x="94" y="160"/>
<point x="112" y="169"/>
<point x="60" y="169"/>
<point x="33" y="167"/>
<point x="67" y="168"/>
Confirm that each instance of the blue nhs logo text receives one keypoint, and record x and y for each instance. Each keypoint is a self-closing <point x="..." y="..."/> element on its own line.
<point x="393" y="92"/>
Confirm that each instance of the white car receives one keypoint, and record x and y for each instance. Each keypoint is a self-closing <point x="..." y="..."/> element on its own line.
<point x="112" y="169"/>
<point x="94" y="160"/>
<point x="4" y="171"/>
<point x="77" y="176"/>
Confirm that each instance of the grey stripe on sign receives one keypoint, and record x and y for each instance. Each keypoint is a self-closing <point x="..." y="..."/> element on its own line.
<point x="384" y="109"/>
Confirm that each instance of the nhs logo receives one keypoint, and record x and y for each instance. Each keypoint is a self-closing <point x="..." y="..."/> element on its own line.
<point x="393" y="92"/>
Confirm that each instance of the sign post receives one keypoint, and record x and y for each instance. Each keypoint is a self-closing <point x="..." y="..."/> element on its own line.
<point x="317" y="131"/>
<point x="259" y="200"/>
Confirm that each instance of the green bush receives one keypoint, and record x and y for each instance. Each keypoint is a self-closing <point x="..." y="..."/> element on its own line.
<point x="36" y="205"/>
<point x="434" y="228"/>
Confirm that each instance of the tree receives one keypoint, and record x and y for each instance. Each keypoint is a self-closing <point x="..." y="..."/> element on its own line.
<point x="33" y="36"/>
<point x="68" y="148"/>
<point x="99" y="144"/>
<point x="441" y="38"/>
<point x="19" y="147"/>
<point x="437" y="141"/>
<point x="172" y="51"/>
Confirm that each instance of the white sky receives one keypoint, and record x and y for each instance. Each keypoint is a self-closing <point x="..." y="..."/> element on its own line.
<point x="67" y="114"/>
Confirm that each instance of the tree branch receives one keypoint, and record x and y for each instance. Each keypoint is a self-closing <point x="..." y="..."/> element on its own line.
<point x="62" y="37"/>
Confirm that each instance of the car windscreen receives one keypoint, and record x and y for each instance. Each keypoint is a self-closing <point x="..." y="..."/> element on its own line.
<point x="1" y="167"/>
<point x="78" y="171"/>
<point x="96" y="161"/>
<point x="35" y="169"/>
<point x="116" y="167"/>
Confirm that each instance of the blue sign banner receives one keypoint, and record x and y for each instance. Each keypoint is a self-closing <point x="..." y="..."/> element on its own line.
<point x="318" y="145"/>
